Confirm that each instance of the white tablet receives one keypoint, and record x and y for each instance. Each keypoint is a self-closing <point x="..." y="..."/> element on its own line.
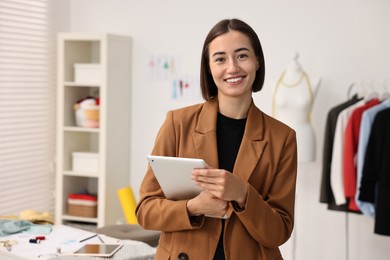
<point x="174" y="175"/>
<point x="102" y="250"/>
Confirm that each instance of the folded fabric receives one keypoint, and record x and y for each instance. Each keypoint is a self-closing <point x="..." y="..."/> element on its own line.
<point x="82" y="196"/>
<point x="33" y="216"/>
<point x="39" y="229"/>
<point x="82" y="202"/>
<point x="14" y="217"/>
<point x="37" y="217"/>
<point x="8" y="227"/>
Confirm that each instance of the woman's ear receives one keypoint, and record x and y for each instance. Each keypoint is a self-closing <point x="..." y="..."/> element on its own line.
<point x="257" y="64"/>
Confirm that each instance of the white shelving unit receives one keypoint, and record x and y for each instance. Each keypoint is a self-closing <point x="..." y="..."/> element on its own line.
<point x="111" y="140"/>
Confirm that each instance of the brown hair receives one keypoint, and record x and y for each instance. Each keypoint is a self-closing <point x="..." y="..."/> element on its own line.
<point x="207" y="84"/>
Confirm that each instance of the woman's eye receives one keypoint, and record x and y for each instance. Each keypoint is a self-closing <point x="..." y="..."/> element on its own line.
<point x="242" y="56"/>
<point x="220" y="59"/>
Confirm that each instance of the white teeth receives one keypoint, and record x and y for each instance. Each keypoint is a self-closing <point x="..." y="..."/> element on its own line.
<point x="234" y="80"/>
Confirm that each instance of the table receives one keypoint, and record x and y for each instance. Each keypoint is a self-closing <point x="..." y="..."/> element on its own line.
<point x="67" y="239"/>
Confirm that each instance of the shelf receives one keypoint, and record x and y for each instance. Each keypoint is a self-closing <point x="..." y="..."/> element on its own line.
<point x="81" y="174"/>
<point x="111" y="140"/>
<point x="80" y="219"/>
<point x="75" y="84"/>
<point x="81" y="129"/>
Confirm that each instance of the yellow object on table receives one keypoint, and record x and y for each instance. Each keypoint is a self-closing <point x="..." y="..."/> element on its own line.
<point x="127" y="199"/>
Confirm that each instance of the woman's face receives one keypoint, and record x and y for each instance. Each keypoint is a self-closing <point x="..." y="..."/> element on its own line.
<point x="233" y="64"/>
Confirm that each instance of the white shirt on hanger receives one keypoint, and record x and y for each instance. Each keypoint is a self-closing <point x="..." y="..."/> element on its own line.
<point x="336" y="170"/>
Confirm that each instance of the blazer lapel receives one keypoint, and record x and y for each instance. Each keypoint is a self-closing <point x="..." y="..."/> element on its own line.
<point x="252" y="144"/>
<point x="205" y="137"/>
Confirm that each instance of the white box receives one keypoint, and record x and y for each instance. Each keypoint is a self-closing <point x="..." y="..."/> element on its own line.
<point x="87" y="73"/>
<point x="85" y="162"/>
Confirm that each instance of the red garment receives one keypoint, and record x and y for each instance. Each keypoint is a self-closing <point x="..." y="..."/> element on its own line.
<point x="351" y="143"/>
<point x="82" y="196"/>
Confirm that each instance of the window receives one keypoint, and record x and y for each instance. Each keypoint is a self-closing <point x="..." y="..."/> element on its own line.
<point x="27" y="106"/>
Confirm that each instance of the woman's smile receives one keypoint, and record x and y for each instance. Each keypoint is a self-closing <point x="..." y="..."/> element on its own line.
<point x="235" y="80"/>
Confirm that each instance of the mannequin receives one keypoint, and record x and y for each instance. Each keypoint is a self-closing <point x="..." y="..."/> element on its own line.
<point x="292" y="104"/>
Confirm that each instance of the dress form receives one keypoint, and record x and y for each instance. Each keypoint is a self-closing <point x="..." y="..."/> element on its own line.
<point x="293" y="100"/>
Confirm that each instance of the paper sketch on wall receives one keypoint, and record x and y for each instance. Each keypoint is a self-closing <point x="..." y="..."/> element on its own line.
<point x="186" y="87"/>
<point x="162" y="67"/>
<point x="167" y="70"/>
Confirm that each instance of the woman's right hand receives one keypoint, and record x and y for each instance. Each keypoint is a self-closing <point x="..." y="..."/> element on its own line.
<point x="207" y="204"/>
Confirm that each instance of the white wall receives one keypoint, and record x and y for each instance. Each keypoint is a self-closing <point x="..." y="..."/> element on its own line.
<point x="339" y="41"/>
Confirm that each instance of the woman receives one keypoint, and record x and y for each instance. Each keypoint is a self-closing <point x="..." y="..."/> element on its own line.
<point x="252" y="161"/>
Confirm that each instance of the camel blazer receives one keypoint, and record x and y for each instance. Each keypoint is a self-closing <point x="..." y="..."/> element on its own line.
<point x="266" y="161"/>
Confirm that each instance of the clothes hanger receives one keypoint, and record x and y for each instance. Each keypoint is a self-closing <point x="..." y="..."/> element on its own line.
<point x="370" y="91"/>
<point x="386" y="93"/>
<point x="350" y="88"/>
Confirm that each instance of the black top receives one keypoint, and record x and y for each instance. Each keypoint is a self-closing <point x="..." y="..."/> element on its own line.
<point x="229" y="135"/>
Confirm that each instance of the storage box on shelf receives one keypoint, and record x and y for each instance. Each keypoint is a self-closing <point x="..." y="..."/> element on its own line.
<point x="87" y="73"/>
<point x="85" y="162"/>
<point x="82" y="211"/>
<point x="93" y="150"/>
<point x="82" y="205"/>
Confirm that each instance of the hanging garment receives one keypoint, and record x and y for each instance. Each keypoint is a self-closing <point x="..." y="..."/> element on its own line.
<point x="351" y="142"/>
<point x="326" y="195"/>
<point x="336" y="173"/>
<point x="367" y="208"/>
<point x="375" y="182"/>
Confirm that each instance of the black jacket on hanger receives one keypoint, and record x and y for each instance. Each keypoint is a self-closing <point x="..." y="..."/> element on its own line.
<point x="375" y="181"/>
<point x="326" y="195"/>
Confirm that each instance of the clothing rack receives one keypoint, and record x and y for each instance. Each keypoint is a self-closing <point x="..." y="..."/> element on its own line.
<point x="346" y="236"/>
<point x="370" y="88"/>
<point x="367" y="90"/>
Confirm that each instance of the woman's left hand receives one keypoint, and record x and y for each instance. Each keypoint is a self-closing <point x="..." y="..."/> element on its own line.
<point x="222" y="184"/>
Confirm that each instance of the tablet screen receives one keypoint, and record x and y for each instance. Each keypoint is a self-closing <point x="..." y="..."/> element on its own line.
<point x="174" y="175"/>
<point x="105" y="250"/>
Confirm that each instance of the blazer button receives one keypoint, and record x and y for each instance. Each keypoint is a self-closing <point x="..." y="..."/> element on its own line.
<point x="182" y="256"/>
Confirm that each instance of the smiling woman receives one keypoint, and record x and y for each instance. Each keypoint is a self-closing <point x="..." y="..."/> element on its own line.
<point x="251" y="161"/>
<point x="233" y="65"/>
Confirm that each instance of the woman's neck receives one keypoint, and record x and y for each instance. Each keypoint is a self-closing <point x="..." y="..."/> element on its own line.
<point x="234" y="107"/>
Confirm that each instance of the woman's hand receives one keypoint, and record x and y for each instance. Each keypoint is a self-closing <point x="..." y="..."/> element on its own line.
<point x="222" y="184"/>
<point x="207" y="204"/>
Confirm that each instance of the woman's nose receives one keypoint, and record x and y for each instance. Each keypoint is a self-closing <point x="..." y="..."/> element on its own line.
<point x="233" y="66"/>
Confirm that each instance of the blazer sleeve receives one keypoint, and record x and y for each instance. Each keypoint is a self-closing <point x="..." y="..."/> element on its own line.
<point x="269" y="220"/>
<point x="154" y="211"/>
